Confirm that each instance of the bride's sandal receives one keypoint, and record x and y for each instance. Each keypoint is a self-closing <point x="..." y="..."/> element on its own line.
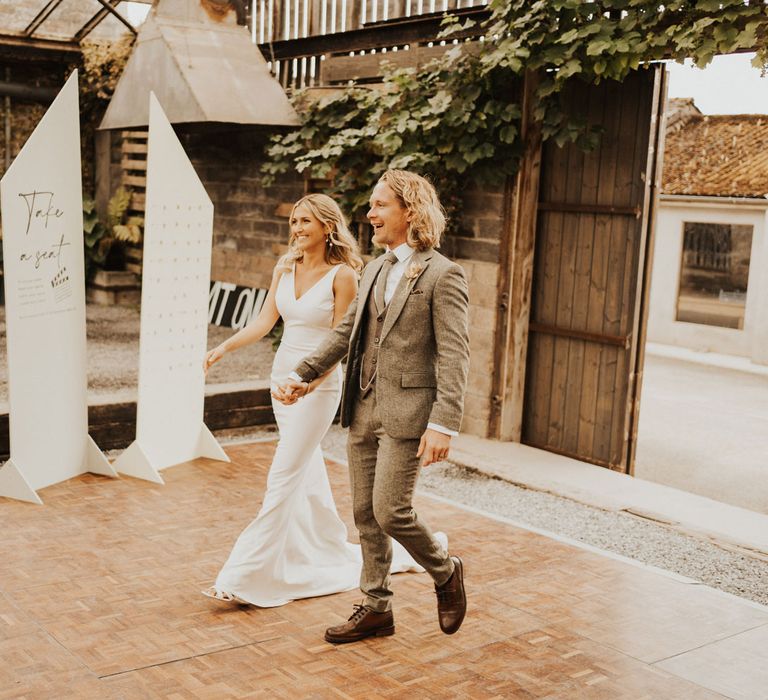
<point x="225" y="596"/>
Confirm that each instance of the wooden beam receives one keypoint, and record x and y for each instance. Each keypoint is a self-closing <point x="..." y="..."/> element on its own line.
<point x="31" y="93"/>
<point x="20" y="42"/>
<point x="406" y="30"/>
<point x="41" y="16"/>
<point x="515" y="278"/>
<point x="650" y="209"/>
<point x="93" y="22"/>
<point x="564" y="207"/>
<point x="108" y="7"/>
<point x="622" y="341"/>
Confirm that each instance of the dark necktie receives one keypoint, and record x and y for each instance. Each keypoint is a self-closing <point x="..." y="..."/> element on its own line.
<point x="381" y="281"/>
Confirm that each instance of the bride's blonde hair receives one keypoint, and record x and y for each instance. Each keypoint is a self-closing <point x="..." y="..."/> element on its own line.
<point x="340" y="247"/>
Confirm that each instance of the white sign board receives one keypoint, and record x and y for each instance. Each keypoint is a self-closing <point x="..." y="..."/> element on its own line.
<point x="178" y="233"/>
<point x="42" y="207"/>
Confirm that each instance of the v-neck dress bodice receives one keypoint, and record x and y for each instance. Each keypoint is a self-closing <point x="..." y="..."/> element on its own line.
<point x="306" y="321"/>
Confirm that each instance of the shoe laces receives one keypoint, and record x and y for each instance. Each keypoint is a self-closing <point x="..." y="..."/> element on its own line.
<point x="358" y="614"/>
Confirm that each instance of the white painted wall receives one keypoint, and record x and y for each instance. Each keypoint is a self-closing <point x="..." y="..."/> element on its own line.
<point x="752" y="341"/>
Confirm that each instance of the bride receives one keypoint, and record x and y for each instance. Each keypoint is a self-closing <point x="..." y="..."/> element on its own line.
<point x="297" y="545"/>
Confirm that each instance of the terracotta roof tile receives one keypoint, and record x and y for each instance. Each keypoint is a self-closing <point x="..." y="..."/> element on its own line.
<point x="716" y="155"/>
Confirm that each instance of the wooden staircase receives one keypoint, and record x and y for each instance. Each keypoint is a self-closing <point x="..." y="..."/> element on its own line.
<point x="133" y="163"/>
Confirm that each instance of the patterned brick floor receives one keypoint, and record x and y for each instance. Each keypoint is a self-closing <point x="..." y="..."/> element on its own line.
<point x="99" y="599"/>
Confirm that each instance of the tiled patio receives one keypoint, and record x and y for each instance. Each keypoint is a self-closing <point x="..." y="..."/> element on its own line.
<point x="99" y="599"/>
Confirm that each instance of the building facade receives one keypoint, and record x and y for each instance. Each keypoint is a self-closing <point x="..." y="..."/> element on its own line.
<point x="709" y="288"/>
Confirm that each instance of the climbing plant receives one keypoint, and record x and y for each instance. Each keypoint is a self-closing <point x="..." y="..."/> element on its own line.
<point x="100" y="67"/>
<point x="104" y="241"/>
<point x="458" y="118"/>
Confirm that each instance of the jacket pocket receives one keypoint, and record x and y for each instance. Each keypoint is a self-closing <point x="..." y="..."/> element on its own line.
<point x="417" y="379"/>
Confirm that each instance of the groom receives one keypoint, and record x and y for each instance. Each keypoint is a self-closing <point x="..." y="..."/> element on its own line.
<point x="405" y="338"/>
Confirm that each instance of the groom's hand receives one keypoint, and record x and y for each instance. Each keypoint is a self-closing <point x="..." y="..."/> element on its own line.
<point x="290" y="392"/>
<point x="434" y="447"/>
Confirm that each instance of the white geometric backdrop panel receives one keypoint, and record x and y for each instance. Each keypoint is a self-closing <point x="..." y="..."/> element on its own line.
<point x="42" y="207"/>
<point x="178" y="233"/>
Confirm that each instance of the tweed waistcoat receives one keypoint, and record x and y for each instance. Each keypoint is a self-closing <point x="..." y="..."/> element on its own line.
<point x="370" y="343"/>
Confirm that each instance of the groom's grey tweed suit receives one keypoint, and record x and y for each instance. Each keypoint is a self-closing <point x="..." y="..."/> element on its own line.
<point x="422" y="365"/>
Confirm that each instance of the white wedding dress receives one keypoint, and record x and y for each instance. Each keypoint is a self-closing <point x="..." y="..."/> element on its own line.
<point x="297" y="545"/>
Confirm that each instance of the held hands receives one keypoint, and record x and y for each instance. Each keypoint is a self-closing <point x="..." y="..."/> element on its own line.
<point x="290" y="392"/>
<point x="213" y="356"/>
<point x="434" y="447"/>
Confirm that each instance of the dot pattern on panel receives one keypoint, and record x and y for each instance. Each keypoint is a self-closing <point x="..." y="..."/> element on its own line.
<point x="177" y="261"/>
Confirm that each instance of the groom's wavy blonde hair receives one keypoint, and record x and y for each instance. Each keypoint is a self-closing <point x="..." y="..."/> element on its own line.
<point x="418" y="196"/>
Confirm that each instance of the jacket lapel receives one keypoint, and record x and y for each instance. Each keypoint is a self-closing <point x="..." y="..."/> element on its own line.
<point x="366" y="288"/>
<point x="419" y="258"/>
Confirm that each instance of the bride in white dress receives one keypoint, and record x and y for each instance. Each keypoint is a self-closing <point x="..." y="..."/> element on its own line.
<point x="297" y="545"/>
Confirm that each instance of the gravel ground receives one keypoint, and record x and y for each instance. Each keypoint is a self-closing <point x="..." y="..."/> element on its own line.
<point x="618" y="532"/>
<point x="113" y="343"/>
<point x="113" y="353"/>
<point x="622" y="533"/>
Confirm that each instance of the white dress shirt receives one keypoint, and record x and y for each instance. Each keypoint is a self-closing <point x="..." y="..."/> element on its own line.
<point x="403" y="253"/>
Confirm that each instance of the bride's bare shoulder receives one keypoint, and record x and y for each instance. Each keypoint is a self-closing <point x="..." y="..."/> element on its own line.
<point x="345" y="277"/>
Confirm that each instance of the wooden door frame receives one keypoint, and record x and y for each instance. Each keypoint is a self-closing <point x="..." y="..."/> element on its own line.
<point x="645" y="264"/>
<point x="515" y="280"/>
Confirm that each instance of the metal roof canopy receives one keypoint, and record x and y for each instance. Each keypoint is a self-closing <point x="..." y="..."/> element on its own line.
<point x="200" y="69"/>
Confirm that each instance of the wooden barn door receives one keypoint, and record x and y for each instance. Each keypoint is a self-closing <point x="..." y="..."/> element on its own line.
<point x="590" y="278"/>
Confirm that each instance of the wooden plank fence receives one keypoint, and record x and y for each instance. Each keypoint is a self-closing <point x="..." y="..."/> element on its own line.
<point x="333" y="42"/>
<point x="281" y="20"/>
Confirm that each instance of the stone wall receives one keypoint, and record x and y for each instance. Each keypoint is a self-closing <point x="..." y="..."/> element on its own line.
<point x="476" y="248"/>
<point x="480" y="227"/>
<point x="482" y="278"/>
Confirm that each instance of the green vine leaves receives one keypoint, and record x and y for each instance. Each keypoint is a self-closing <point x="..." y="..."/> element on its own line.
<point x="458" y="118"/>
<point x="101" y="66"/>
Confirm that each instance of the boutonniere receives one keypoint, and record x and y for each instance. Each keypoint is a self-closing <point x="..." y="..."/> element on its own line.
<point x="414" y="270"/>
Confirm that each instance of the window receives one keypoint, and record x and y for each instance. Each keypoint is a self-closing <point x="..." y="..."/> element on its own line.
<point x="714" y="274"/>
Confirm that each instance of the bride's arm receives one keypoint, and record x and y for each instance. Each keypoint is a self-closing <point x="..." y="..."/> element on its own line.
<point x="254" y="331"/>
<point x="344" y="292"/>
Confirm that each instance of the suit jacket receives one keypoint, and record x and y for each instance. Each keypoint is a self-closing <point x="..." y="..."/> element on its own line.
<point x="423" y="358"/>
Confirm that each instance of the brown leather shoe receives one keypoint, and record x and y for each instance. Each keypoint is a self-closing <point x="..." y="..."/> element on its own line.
<point x="363" y="623"/>
<point x="452" y="600"/>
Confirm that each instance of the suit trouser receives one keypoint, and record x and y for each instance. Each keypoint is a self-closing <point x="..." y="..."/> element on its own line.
<point x="383" y="473"/>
